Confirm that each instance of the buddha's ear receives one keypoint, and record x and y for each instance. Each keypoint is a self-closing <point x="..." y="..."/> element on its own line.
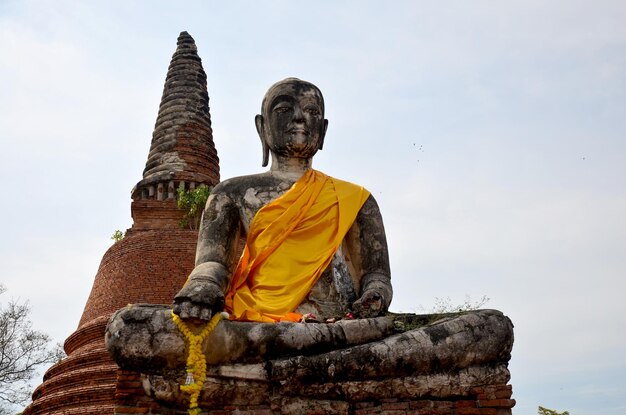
<point x="323" y="134"/>
<point x="259" y="122"/>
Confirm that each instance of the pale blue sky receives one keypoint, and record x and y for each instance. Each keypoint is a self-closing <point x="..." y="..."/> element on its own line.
<point x="493" y="135"/>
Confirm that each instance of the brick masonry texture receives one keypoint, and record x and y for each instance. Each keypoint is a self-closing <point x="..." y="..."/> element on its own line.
<point x="147" y="266"/>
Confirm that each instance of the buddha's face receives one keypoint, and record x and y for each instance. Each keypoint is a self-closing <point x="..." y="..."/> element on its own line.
<point x="293" y="119"/>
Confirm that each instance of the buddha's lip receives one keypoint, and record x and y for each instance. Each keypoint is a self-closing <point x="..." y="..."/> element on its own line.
<point x="298" y="130"/>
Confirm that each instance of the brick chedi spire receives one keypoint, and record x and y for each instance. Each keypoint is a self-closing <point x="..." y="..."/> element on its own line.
<point x="182" y="153"/>
<point x="182" y="146"/>
<point x="150" y="264"/>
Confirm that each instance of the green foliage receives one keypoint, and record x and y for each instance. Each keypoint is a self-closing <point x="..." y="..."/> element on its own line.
<point x="117" y="235"/>
<point x="445" y="305"/>
<point x="192" y="202"/>
<point x="545" y="411"/>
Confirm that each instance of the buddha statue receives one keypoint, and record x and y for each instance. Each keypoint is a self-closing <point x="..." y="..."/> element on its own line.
<point x="315" y="245"/>
<point x="292" y="246"/>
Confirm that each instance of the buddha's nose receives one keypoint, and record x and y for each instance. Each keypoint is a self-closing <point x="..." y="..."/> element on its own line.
<point x="298" y="115"/>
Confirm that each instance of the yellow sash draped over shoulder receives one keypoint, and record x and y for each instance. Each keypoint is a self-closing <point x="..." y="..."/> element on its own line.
<point x="290" y="243"/>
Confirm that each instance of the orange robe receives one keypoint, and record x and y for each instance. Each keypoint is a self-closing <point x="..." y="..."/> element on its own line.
<point x="291" y="241"/>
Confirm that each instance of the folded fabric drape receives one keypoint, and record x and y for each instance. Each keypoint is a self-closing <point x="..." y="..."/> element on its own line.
<point x="290" y="243"/>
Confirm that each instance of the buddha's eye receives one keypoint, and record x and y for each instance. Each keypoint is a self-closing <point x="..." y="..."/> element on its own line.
<point x="312" y="110"/>
<point x="282" y="109"/>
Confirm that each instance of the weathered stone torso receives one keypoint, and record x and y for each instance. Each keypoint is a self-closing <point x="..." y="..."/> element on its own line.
<point x="334" y="292"/>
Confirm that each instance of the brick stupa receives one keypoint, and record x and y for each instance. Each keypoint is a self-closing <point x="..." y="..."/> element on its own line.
<point x="153" y="260"/>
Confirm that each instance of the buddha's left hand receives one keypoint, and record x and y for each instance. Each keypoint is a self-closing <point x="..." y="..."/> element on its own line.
<point x="369" y="305"/>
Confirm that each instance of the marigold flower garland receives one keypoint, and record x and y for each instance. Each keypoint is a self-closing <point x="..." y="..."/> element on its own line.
<point x="196" y="362"/>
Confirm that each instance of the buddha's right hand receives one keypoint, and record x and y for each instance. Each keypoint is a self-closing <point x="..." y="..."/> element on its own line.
<point x="199" y="299"/>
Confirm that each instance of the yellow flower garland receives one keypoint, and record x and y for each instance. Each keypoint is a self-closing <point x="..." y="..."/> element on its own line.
<point x="196" y="362"/>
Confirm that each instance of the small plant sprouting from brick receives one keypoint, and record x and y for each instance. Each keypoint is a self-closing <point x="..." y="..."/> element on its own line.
<point x="545" y="411"/>
<point x="117" y="235"/>
<point x="192" y="203"/>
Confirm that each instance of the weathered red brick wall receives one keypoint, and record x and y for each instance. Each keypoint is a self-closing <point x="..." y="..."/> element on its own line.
<point x="155" y="214"/>
<point x="82" y="383"/>
<point x="147" y="266"/>
<point x="194" y="144"/>
<point x="130" y="397"/>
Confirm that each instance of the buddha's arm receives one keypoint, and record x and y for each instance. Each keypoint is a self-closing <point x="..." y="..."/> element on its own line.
<point x="218" y="239"/>
<point x="367" y="246"/>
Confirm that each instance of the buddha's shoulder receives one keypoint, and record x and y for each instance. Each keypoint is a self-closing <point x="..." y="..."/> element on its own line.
<point x="237" y="187"/>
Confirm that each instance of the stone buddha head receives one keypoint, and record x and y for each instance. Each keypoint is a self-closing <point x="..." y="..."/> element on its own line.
<point x="292" y="123"/>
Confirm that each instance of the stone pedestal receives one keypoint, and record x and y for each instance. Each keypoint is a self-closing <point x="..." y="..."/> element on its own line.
<point x="491" y="399"/>
<point x="398" y="364"/>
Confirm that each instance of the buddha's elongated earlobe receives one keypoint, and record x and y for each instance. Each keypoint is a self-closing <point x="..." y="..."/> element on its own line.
<point x="323" y="135"/>
<point x="266" y="153"/>
<point x="258" y="121"/>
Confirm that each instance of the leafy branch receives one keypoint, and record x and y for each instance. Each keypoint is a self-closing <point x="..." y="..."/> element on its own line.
<point x="192" y="203"/>
<point x="545" y="411"/>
